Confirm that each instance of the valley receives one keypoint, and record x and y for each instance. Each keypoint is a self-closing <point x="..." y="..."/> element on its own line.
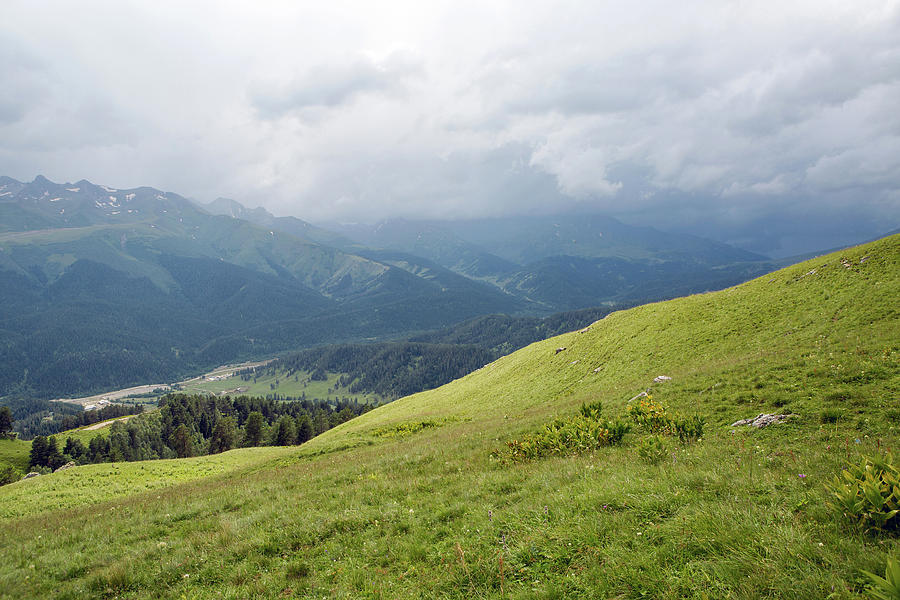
<point x="109" y="288"/>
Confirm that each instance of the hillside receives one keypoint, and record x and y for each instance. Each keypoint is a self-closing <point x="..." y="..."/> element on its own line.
<point x="409" y="500"/>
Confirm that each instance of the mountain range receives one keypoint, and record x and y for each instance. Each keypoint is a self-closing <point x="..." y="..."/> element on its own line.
<point x="105" y="287"/>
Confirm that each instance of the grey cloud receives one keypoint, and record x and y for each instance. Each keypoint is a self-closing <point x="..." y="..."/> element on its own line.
<point x="724" y="113"/>
<point x="333" y="85"/>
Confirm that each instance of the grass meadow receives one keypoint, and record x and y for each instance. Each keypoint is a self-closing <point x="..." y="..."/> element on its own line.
<point x="430" y="512"/>
<point x="293" y="386"/>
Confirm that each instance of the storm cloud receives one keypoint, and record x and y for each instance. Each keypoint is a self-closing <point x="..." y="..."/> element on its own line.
<point x="727" y="119"/>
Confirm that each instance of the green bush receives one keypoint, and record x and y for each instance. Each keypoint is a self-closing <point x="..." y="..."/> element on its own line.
<point x="584" y="432"/>
<point x="652" y="449"/>
<point x="405" y="428"/>
<point x="592" y="410"/>
<point x="868" y="493"/>
<point x="651" y="416"/>
<point x="688" y="429"/>
<point x="655" y="418"/>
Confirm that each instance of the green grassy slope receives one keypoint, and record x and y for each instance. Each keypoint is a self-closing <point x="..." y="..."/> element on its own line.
<point x="88" y="432"/>
<point x="90" y="484"/>
<point x="280" y="383"/>
<point x="15" y="452"/>
<point x="358" y="513"/>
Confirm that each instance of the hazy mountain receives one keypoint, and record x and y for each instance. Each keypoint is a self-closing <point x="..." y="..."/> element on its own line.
<point x="522" y="240"/>
<point x="568" y="262"/>
<point x="292" y="225"/>
<point x="105" y="287"/>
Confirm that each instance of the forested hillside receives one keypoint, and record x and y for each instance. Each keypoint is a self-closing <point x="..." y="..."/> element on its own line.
<point x="426" y="361"/>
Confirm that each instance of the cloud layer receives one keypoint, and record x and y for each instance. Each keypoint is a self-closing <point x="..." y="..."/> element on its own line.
<point x="725" y="113"/>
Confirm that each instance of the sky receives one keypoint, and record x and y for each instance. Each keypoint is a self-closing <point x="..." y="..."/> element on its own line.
<point x="771" y="125"/>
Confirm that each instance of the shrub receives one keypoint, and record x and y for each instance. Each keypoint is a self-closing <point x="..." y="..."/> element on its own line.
<point x="655" y="418"/>
<point x="404" y="429"/>
<point x="592" y="410"/>
<point x="868" y="493"/>
<point x="688" y="429"/>
<point x="584" y="432"/>
<point x="650" y="415"/>
<point x="652" y="449"/>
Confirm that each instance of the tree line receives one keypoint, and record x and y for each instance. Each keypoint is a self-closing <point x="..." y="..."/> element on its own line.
<point x="195" y="425"/>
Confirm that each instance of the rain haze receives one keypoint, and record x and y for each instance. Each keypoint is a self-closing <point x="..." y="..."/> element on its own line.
<point x="770" y="125"/>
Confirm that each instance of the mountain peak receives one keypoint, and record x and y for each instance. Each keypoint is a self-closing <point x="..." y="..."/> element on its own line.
<point x="236" y="210"/>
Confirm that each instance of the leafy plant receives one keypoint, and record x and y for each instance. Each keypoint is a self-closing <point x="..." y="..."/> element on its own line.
<point x="592" y="410"/>
<point x="405" y="428"/>
<point x="584" y="432"/>
<point x="650" y="415"/>
<point x="655" y="418"/>
<point x="652" y="449"/>
<point x="688" y="429"/>
<point x="887" y="587"/>
<point x="868" y="493"/>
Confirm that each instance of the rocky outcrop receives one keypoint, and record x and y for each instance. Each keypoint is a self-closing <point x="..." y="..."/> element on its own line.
<point x="762" y="420"/>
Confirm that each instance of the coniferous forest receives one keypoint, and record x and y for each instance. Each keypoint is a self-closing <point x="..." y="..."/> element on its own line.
<point x="194" y="425"/>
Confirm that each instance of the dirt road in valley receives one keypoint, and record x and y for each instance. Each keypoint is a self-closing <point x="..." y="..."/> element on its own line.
<point x="103" y="424"/>
<point x="219" y="372"/>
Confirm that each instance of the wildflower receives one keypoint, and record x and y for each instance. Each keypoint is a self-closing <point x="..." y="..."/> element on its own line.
<point x="491" y="516"/>
<point x="801" y="475"/>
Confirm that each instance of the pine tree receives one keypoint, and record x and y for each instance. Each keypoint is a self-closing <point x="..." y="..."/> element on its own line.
<point x="54" y="457"/>
<point x="285" y="434"/>
<point x="181" y="442"/>
<point x="38" y="455"/>
<point x="222" y="436"/>
<point x="253" y="429"/>
<point x="304" y="429"/>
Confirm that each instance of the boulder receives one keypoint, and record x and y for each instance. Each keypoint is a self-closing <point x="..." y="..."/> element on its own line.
<point x="68" y="465"/>
<point x="661" y="378"/>
<point x="32" y="474"/>
<point x="762" y="420"/>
